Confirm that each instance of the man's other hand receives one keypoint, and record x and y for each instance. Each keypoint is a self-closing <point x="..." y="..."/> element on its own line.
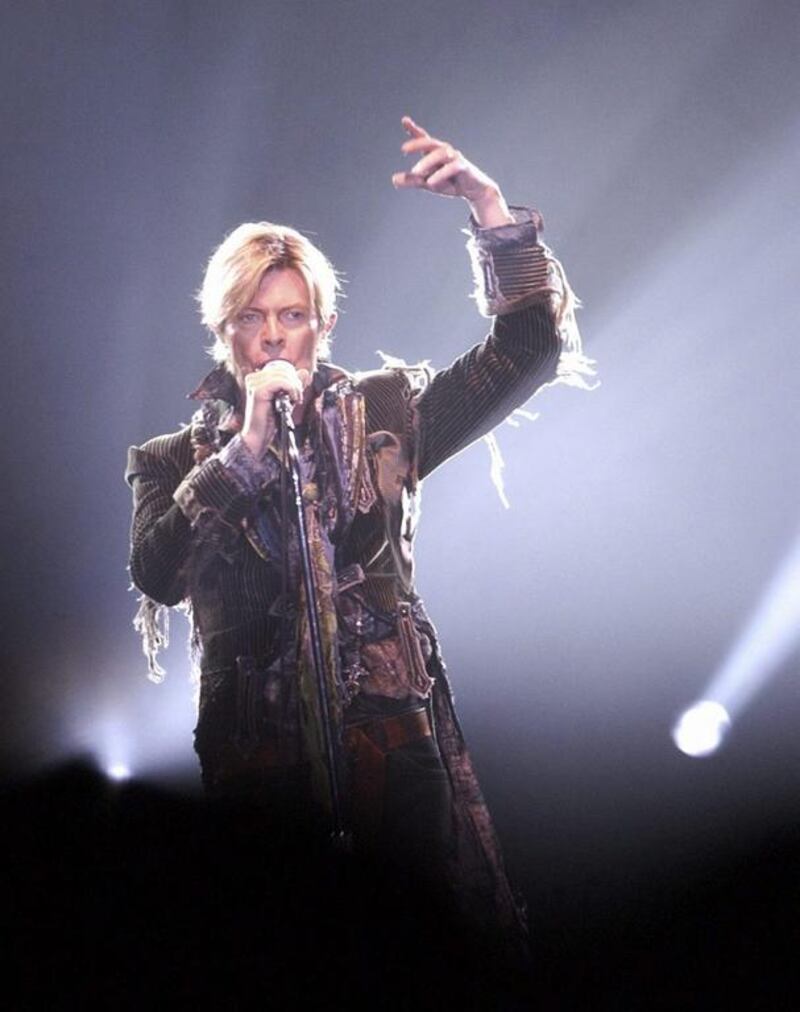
<point x="444" y="170"/>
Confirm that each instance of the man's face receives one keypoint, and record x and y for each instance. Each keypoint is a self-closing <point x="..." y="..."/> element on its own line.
<point x="279" y="322"/>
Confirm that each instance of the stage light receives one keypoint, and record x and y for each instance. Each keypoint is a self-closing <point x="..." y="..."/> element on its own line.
<point x="132" y="734"/>
<point x="700" y="730"/>
<point x="766" y="641"/>
<point x="118" y="772"/>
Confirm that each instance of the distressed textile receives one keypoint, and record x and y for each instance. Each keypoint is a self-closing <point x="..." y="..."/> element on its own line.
<point x="206" y="524"/>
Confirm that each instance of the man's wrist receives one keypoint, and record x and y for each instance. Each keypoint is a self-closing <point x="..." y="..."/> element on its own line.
<point x="512" y="269"/>
<point x="258" y="442"/>
<point x="491" y="210"/>
<point x="226" y="484"/>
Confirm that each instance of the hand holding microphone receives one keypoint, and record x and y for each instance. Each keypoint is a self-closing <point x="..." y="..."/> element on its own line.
<point x="263" y="387"/>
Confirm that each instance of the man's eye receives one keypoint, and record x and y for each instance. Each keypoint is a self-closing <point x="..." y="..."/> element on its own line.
<point x="248" y="318"/>
<point x="294" y="315"/>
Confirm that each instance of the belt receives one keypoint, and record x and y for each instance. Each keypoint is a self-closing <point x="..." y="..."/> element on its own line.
<point x="367" y="744"/>
<point x="388" y="733"/>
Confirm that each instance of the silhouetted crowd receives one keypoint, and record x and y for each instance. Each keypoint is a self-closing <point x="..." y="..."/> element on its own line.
<point x="124" y="893"/>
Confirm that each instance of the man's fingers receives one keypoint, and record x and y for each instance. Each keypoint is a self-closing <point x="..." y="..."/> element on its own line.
<point x="444" y="174"/>
<point x="438" y="165"/>
<point x="412" y="128"/>
<point x="426" y="143"/>
<point x="435" y="153"/>
<point x="277" y="377"/>
<point x="437" y="169"/>
<point x="433" y="160"/>
<point x="405" y="180"/>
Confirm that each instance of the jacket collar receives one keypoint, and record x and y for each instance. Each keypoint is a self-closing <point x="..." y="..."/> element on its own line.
<point x="221" y="385"/>
<point x="218" y="385"/>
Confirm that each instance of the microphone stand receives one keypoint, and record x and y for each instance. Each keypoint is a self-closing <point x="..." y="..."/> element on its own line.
<point x="284" y="408"/>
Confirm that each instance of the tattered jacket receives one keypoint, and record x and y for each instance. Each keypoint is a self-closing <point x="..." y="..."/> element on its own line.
<point x="202" y="530"/>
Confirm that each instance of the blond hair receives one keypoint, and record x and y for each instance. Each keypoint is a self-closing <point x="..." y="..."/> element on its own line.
<point x="238" y="264"/>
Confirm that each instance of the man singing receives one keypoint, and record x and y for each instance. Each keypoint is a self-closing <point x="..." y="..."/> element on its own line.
<point x="214" y="529"/>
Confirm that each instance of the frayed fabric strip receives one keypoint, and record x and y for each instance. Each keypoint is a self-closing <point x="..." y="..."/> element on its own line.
<point x="152" y="623"/>
<point x="496" y="467"/>
<point x="574" y="367"/>
<point x="512" y="270"/>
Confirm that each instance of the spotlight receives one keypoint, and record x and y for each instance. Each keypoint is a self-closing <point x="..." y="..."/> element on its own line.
<point x="118" y="772"/>
<point x="700" y="730"/>
<point x="765" y="643"/>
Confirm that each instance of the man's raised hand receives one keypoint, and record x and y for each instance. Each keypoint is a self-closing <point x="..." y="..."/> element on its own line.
<point x="443" y="169"/>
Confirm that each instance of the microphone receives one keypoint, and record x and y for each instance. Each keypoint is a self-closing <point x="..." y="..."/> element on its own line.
<point x="284" y="407"/>
<point x="281" y="402"/>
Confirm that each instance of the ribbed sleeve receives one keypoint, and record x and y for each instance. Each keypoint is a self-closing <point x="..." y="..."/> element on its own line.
<point x="161" y="536"/>
<point x="223" y="487"/>
<point x="511" y="268"/>
<point x="175" y="513"/>
<point x="483" y="386"/>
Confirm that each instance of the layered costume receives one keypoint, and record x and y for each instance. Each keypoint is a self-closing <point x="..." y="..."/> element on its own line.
<point x="211" y="530"/>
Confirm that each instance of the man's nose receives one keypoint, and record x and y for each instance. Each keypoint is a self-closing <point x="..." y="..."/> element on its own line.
<point x="271" y="334"/>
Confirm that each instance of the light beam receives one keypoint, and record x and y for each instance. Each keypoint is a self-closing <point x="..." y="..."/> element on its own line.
<point x="766" y="641"/>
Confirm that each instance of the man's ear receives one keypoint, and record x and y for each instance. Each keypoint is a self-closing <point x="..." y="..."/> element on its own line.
<point x="324" y="338"/>
<point x="327" y="330"/>
<point x="224" y="341"/>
